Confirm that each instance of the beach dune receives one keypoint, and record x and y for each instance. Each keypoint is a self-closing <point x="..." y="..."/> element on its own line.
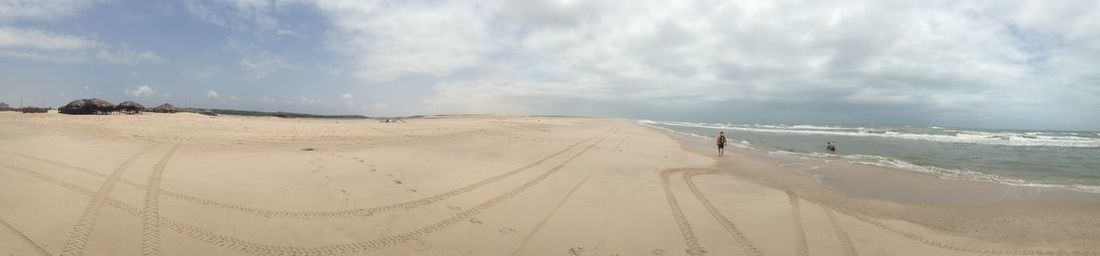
<point x="187" y="184"/>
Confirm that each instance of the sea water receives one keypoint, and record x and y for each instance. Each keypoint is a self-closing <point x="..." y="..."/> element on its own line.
<point x="1066" y="159"/>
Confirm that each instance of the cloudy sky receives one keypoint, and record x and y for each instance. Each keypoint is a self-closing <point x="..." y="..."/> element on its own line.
<point x="1013" y="64"/>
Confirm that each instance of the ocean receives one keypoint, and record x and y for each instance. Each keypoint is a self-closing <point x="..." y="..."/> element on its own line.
<point x="1062" y="159"/>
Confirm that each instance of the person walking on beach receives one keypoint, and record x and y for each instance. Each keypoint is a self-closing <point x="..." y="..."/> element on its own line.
<point x="721" y="142"/>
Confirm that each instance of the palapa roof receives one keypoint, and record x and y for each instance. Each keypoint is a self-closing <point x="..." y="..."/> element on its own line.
<point x="3" y="105"/>
<point x="165" y="106"/>
<point x="86" y="106"/>
<point x="81" y="103"/>
<point x="130" y="105"/>
<point x="100" y="103"/>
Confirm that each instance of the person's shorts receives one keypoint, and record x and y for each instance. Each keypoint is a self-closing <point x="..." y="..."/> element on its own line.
<point x="721" y="145"/>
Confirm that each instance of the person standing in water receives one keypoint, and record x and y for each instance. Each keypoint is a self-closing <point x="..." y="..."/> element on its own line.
<point x="721" y="142"/>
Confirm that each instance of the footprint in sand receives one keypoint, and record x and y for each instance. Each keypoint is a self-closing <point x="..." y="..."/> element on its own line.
<point x="452" y="207"/>
<point x="475" y="221"/>
<point x="576" y="251"/>
<point x="397" y="182"/>
<point x="658" y="251"/>
<point x="507" y="230"/>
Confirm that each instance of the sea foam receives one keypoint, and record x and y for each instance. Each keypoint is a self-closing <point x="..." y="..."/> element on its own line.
<point x="956" y="136"/>
<point x="945" y="173"/>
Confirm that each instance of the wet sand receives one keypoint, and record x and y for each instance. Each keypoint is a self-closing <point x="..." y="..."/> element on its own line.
<point x="185" y="184"/>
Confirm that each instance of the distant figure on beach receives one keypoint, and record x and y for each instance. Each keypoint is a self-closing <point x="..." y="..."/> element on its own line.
<point x="721" y="142"/>
<point x="831" y="146"/>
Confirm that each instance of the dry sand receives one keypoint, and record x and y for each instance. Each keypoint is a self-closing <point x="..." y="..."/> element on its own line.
<point x="185" y="184"/>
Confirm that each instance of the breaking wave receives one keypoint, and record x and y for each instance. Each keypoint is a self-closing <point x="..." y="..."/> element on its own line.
<point x="946" y="173"/>
<point x="936" y="134"/>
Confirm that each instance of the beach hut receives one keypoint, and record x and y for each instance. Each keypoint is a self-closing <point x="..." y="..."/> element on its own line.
<point x="165" y="108"/>
<point x="130" y="107"/>
<point x="87" y="107"/>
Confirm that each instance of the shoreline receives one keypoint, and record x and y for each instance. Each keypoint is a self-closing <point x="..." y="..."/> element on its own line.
<point x="986" y="211"/>
<point x="822" y="168"/>
<point x="968" y="156"/>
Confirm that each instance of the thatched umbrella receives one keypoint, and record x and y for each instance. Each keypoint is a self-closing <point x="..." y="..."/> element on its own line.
<point x="76" y="107"/>
<point x="87" y="107"/>
<point x="165" y="108"/>
<point x="100" y="106"/>
<point x="130" y="107"/>
<point x="4" y="106"/>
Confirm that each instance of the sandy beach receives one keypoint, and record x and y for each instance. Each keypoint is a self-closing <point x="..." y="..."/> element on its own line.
<point x="187" y="184"/>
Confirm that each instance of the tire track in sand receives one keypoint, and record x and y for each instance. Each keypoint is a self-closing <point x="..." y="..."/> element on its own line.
<point x="321" y="214"/>
<point x="150" y="213"/>
<point x="940" y="244"/>
<point x="387" y="241"/>
<point x="542" y="223"/>
<point x="738" y="236"/>
<point x="917" y="237"/>
<point x="846" y="245"/>
<point x="38" y="248"/>
<point x="78" y="239"/>
<point x="800" y="231"/>
<point x="256" y="248"/>
<point x="692" y="242"/>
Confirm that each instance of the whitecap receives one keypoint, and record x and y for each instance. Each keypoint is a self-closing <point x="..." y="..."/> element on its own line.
<point x="972" y="137"/>
<point x="945" y="173"/>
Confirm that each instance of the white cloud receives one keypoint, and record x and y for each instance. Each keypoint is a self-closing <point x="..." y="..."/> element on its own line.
<point x="266" y="99"/>
<point x="127" y="56"/>
<point x="258" y="63"/>
<point x="211" y="94"/>
<point x="845" y="57"/>
<point x="347" y="100"/>
<point x="41" y="9"/>
<point x="257" y="16"/>
<point x="204" y="13"/>
<point x="43" y="45"/>
<point x="285" y="32"/>
<point x="16" y="38"/>
<point x="203" y="72"/>
<point x="386" y="41"/>
<point x="141" y="91"/>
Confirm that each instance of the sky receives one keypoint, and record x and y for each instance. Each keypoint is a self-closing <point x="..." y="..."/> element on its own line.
<point x="984" y="64"/>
